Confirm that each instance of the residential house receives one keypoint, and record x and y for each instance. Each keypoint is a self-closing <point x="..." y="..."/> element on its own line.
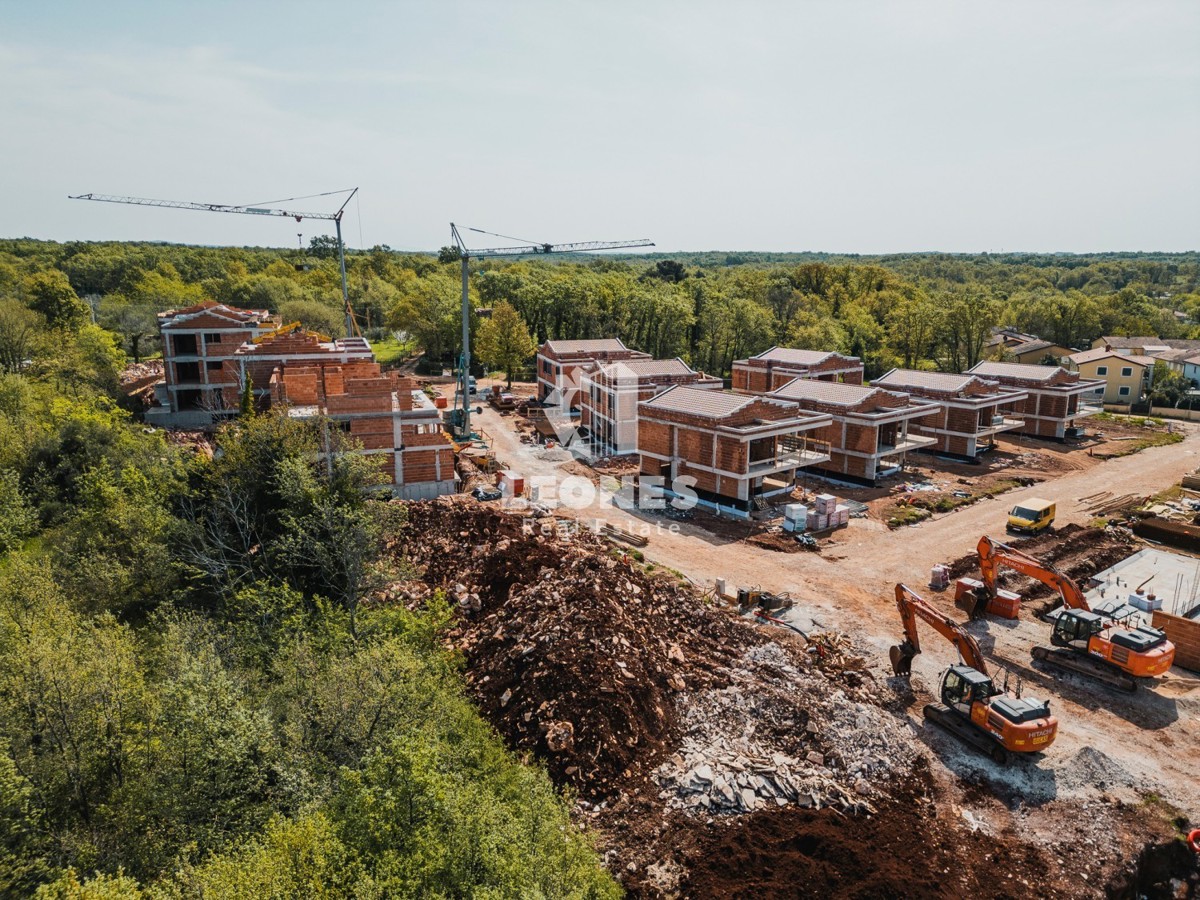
<point x="395" y="423"/>
<point x="869" y="433"/>
<point x="1143" y="346"/>
<point x="1038" y="353"/>
<point x="610" y="394"/>
<point x="213" y="351"/>
<point x="196" y="341"/>
<point x="562" y="364"/>
<point x="774" y="368"/>
<point x="728" y="451"/>
<point x="1008" y="337"/>
<point x="1126" y="377"/>
<point x="1056" y="399"/>
<point x="970" y="410"/>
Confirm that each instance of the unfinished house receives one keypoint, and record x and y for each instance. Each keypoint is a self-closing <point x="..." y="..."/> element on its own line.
<point x="869" y="433"/>
<point x="1056" y="400"/>
<point x="774" y="368"/>
<point x="610" y="395"/>
<point x="196" y="341"/>
<point x="728" y="451"/>
<point x="970" y="410"/>
<point x="309" y="375"/>
<point x="562" y="364"/>
<point x="397" y="425"/>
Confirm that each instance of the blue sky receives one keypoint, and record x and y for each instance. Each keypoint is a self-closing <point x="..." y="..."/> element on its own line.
<point x="841" y="126"/>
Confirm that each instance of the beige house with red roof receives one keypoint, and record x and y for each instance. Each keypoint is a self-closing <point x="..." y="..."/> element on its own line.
<point x="610" y="394"/>
<point x="726" y="450"/>
<point x="970" y="410"/>
<point x="774" y="368"/>
<point x="869" y="432"/>
<point x="1127" y="377"/>
<point x="1056" y="400"/>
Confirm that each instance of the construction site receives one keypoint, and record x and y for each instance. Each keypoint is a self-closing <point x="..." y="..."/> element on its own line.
<point x="735" y="720"/>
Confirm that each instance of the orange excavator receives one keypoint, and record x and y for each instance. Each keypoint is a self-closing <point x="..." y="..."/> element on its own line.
<point x="1101" y="646"/>
<point x="973" y="708"/>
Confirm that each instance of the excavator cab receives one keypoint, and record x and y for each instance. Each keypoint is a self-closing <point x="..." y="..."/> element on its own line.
<point x="1075" y="625"/>
<point x="964" y="686"/>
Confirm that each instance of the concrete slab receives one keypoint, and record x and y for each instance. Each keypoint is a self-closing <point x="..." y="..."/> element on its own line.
<point x="1173" y="578"/>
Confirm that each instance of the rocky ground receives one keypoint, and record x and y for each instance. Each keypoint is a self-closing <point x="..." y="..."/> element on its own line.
<point x="715" y="757"/>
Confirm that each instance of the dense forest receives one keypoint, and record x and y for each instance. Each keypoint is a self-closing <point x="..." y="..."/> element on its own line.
<point x="194" y="697"/>
<point x="915" y="310"/>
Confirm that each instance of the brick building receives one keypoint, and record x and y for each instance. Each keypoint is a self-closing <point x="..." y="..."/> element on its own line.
<point x="727" y="450"/>
<point x="395" y="422"/>
<point x="970" y="410"/>
<point x="1055" y="399"/>
<point x="610" y="394"/>
<point x="196" y="342"/>
<point x="869" y="432"/>
<point x="562" y="364"/>
<point x="774" y="368"/>
<point x="211" y="349"/>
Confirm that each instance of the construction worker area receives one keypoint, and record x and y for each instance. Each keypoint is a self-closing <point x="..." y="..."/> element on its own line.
<point x="806" y="631"/>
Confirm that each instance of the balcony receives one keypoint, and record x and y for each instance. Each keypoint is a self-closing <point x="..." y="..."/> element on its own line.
<point x="791" y="454"/>
<point x="998" y="423"/>
<point x="1088" y="407"/>
<point x="910" y="442"/>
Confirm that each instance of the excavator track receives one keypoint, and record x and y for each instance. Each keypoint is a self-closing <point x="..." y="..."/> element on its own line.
<point x="952" y="722"/>
<point x="1071" y="661"/>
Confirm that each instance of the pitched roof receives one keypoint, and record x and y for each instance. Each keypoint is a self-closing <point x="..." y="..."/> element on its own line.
<point x="1100" y="353"/>
<point x="832" y="392"/>
<point x="210" y="307"/>
<point x="598" y="345"/>
<point x="798" y="357"/>
<point x="934" y="381"/>
<point x="1140" y="343"/>
<point x="647" y="367"/>
<point x="1031" y="347"/>
<point x="699" y="402"/>
<point x="1026" y="371"/>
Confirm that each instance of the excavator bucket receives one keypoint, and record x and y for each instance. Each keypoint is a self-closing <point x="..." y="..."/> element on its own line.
<point x="902" y="657"/>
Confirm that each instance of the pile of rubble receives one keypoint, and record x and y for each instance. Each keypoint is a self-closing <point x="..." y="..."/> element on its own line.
<point x="572" y="651"/>
<point x="783" y="732"/>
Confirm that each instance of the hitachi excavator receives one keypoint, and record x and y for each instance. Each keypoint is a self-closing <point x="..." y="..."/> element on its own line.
<point x="973" y="709"/>
<point x="1107" y="648"/>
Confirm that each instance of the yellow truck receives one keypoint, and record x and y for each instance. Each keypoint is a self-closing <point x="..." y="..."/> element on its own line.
<point x="1031" y="516"/>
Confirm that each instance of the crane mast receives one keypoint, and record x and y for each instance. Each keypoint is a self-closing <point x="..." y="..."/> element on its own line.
<point x="335" y="217"/>
<point x="526" y="249"/>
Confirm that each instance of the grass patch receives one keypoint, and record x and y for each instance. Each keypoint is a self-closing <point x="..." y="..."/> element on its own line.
<point x="920" y="508"/>
<point x="1159" y="439"/>
<point x="390" y="351"/>
<point x="908" y="515"/>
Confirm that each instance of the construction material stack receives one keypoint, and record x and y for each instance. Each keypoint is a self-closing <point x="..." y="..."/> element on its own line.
<point x="795" y="517"/>
<point x="827" y="513"/>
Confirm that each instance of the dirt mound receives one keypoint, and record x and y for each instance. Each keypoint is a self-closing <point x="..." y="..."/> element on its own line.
<point x="1073" y="549"/>
<point x="572" y="651"/>
<point x="906" y="850"/>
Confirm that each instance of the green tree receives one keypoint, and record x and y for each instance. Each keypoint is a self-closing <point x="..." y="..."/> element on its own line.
<point x="246" y="405"/>
<point x="315" y="316"/>
<point x="504" y="342"/>
<point x="50" y="293"/>
<point x="136" y="321"/>
<point x="20" y="335"/>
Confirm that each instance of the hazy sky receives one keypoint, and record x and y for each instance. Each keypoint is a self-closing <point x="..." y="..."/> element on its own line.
<point x="841" y="126"/>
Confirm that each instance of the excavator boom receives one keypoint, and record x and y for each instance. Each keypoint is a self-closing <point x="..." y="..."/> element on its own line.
<point x="912" y="607"/>
<point x="993" y="554"/>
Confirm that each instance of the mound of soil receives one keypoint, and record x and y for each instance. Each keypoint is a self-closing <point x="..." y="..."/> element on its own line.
<point x="1073" y="549"/>
<point x="572" y="651"/>
<point x="905" y="850"/>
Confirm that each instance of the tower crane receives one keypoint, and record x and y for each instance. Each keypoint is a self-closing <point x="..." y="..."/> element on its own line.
<point x="335" y="217"/>
<point x="525" y="248"/>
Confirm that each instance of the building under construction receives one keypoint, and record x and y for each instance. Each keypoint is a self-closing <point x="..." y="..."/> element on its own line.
<point x="211" y="351"/>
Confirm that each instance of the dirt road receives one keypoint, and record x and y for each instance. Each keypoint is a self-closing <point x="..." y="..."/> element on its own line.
<point x="1145" y="742"/>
